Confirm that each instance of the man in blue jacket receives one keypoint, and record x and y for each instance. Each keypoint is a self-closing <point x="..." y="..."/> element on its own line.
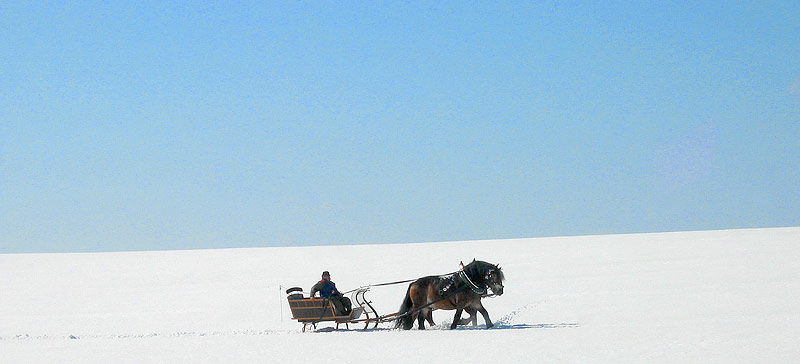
<point x="327" y="289"/>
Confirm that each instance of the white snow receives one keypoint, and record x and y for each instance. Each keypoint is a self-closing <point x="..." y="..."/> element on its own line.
<point x="690" y="297"/>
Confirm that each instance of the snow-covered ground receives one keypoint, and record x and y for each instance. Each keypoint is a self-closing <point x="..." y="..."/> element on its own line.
<point x="690" y="297"/>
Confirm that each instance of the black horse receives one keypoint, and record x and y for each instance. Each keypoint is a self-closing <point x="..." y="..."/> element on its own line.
<point x="460" y="291"/>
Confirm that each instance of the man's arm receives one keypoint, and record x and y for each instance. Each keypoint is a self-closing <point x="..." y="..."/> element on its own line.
<point x="315" y="289"/>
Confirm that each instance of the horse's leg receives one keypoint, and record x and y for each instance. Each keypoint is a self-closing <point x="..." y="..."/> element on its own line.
<point x="473" y="317"/>
<point x="485" y="314"/>
<point x="474" y="308"/>
<point x="456" y="318"/>
<point x="421" y="315"/>
<point x="430" y="318"/>
<point x="414" y="317"/>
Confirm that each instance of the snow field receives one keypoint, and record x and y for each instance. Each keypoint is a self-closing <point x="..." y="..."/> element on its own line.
<point x="704" y="297"/>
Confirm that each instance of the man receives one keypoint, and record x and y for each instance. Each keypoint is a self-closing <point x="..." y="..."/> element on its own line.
<point x="327" y="289"/>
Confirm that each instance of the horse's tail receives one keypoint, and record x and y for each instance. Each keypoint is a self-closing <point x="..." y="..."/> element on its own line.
<point x="405" y="320"/>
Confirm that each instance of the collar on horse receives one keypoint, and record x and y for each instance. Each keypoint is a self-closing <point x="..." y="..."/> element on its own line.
<point x="475" y="288"/>
<point x="462" y="276"/>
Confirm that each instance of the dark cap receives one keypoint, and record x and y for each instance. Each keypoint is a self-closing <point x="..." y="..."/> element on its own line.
<point x="326" y="273"/>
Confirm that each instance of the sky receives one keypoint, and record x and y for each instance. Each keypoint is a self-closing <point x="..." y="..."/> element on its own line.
<point x="155" y="125"/>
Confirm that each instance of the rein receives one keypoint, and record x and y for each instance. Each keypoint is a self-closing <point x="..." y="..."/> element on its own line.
<point x="391" y="283"/>
<point x="460" y="273"/>
<point x="378" y="285"/>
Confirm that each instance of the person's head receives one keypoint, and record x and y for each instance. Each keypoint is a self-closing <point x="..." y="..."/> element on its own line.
<point x="326" y="276"/>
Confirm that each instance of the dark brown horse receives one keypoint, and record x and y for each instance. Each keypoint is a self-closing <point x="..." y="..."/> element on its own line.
<point x="460" y="291"/>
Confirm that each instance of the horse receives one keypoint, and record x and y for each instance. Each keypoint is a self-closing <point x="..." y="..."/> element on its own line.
<point x="460" y="291"/>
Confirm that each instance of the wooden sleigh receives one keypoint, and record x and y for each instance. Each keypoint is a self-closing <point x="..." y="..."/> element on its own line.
<point x="309" y="310"/>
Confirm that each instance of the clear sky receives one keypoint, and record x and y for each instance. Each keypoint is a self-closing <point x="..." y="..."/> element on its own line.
<point x="178" y="125"/>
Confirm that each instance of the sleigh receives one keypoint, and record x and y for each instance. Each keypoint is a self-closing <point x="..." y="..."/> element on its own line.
<point x="311" y="311"/>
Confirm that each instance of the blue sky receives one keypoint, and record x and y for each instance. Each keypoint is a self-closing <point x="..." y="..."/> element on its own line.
<point x="153" y="125"/>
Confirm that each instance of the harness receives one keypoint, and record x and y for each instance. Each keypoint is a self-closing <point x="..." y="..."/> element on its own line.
<point x="475" y="288"/>
<point x="464" y="278"/>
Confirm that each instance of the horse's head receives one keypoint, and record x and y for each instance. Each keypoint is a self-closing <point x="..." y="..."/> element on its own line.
<point x="489" y="275"/>
<point x="494" y="279"/>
